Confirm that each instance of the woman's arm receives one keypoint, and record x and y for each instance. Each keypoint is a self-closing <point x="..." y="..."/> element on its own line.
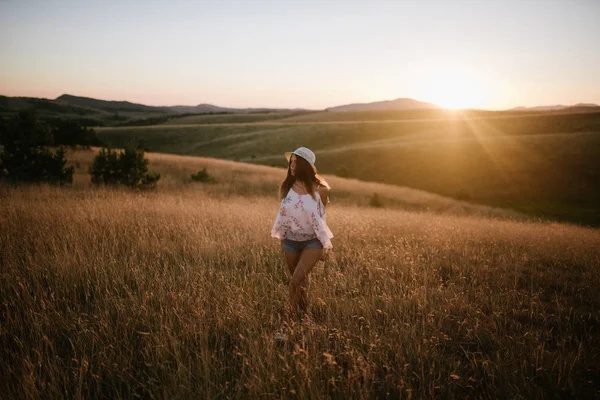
<point x="324" y="194"/>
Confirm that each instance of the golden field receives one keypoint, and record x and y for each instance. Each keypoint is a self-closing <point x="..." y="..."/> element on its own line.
<point x="178" y="292"/>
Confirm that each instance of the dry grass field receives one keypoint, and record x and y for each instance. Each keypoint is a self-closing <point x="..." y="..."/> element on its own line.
<point x="177" y="293"/>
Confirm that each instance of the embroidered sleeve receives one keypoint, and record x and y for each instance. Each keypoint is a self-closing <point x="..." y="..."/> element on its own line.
<point x="321" y="230"/>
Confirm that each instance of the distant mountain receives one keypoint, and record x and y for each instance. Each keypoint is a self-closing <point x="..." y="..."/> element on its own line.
<point x="106" y="105"/>
<point x="44" y="106"/>
<point x="127" y="106"/>
<point x="94" y="112"/>
<point x="557" y="107"/>
<point x="209" y="108"/>
<point x="199" y="109"/>
<point x="398" y="104"/>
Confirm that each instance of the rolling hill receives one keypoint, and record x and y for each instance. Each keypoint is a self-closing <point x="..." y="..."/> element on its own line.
<point x="44" y="106"/>
<point x="127" y="106"/>
<point x="544" y="165"/>
<point x="579" y="106"/>
<point x="387" y="105"/>
<point x="93" y="112"/>
<point x="110" y="106"/>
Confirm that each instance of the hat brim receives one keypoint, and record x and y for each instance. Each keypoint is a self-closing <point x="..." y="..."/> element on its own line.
<point x="288" y="155"/>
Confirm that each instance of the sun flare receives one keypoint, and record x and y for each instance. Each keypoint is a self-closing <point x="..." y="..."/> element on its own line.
<point x="457" y="87"/>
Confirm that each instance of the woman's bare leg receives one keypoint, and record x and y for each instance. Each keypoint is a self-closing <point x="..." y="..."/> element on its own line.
<point x="303" y="303"/>
<point x="291" y="259"/>
<point x="299" y="281"/>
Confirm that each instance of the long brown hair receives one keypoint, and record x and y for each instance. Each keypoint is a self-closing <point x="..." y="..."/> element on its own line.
<point x="304" y="174"/>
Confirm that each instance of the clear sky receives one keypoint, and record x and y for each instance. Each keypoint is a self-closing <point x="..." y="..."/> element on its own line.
<point x="307" y="53"/>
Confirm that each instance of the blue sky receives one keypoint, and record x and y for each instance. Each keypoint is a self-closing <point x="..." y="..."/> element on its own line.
<point x="310" y="54"/>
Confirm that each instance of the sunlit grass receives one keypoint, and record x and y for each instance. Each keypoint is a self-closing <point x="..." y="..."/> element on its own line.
<point x="235" y="178"/>
<point x="177" y="293"/>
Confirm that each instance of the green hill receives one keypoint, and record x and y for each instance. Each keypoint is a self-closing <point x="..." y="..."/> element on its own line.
<point x="93" y="112"/>
<point x="45" y="106"/>
<point x="542" y="164"/>
<point x="110" y="106"/>
<point x="89" y="112"/>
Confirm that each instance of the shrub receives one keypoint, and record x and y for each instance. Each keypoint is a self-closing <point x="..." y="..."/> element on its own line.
<point x="25" y="156"/>
<point x="37" y="164"/>
<point x="375" y="201"/>
<point x="128" y="167"/>
<point x="202" y="176"/>
<point x="342" y="172"/>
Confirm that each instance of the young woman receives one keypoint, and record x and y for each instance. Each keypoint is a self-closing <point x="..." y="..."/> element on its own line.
<point x="301" y="223"/>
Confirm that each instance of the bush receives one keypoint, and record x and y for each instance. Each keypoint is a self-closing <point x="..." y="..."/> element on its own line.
<point x="25" y="156"/>
<point x="375" y="201"/>
<point x="36" y="165"/>
<point x="129" y="168"/>
<point x="342" y="172"/>
<point x="202" y="176"/>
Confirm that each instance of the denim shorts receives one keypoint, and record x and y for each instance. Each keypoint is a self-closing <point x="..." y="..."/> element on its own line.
<point x="292" y="245"/>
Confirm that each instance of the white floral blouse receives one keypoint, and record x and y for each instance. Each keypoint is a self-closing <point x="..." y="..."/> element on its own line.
<point x="302" y="218"/>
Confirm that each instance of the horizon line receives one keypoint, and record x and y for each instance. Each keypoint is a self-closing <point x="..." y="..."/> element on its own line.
<point x="582" y="103"/>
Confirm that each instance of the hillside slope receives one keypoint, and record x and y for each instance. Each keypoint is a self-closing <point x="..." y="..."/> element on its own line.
<point x="386" y="105"/>
<point x="109" y="105"/>
<point x="242" y="179"/>
<point x="546" y="165"/>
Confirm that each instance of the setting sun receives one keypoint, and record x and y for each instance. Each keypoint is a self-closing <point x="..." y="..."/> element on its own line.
<point x="456" y="87"/>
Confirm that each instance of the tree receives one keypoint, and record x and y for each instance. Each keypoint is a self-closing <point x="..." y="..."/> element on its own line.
<point x="25" y="156"/>
<point x="128" y="167"/>
<point x="24" y="130"/>
<point x="72" y="133"/>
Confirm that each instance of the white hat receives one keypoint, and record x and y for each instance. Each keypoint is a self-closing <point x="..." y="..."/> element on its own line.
<point x="305" y="153"/>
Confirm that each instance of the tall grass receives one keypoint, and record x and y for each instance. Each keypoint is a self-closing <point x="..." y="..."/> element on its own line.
<point x="256" y="180"/>
<point x="178" y="294"/>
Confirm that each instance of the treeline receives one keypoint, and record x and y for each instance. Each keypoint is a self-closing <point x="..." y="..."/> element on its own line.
<point x="34" y="151"/>
<point x="164" y="118"/>
<point x="26" y="155"/>
<point x="55" y="131"/>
